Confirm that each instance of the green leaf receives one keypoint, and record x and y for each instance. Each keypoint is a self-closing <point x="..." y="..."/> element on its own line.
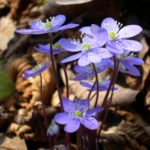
<point x="7" y="86"/>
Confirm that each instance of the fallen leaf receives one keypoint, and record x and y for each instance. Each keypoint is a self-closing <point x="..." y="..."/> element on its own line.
<point x="71" y="2"/>
<point x="7" y="30"/>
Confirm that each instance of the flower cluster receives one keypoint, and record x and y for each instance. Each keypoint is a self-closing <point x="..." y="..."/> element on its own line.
<point x="100" y="47"/>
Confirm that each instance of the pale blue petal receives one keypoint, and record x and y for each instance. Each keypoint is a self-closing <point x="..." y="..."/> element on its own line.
<point x="90" y="123"/>
<point x="81" y="69"/>
<point x="38" y="25"/>
<point x="68" y="45"/>
<point x="83" y="76"/>
<point x="58" y="20"/>
<point x="114" y="47"/>
<point x="129" y="31"/>
<point x="62" y="118"/>
<point x="94" y="111"/>
<point x="134" y="60"/>
<point x="95" y="28"/>
<point x="72" y="126"/>
<point x="68" y="105"/>
<point x="130" y="69"/>
<point x="93" y="56"/>
<point x="131" y="45"/>
<point x="86" y="30"/>
<point x="72" y="58"/>
<point x="102" y="53"/>
<point x="110" y="25"/>
<point x="101" y="37"/>
<point x="86" y="84"/>
<point x="83" y="61"/>
<point x="68" y="26"/>
<point x="31" y="72"/>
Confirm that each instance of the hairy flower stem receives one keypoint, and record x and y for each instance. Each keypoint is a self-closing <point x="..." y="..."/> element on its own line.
<point x="110" y="85"/>
<point x="43" y="108"/>
<point x="78" y="139"/>
<point x="113" y="80"/>
<point x="54" y="70"/>
<point x="66" y="77"/>
<point x="91" y="91"/>
<point x="97" y="85"/>
<point x="67" y="139"/>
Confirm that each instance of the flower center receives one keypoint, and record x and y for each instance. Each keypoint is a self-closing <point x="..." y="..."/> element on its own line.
<point x="86" y="46"/>
<point x="48" y="25"/>
<point x="57" y="45"/>
<point x="78" y="113"/>
<point x="112" y="35"/>
<point x="121" y="56"/>
<point x="37" y="67"/>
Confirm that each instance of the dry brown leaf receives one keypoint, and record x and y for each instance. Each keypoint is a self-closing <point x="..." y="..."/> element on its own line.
<point x="70" y="2"/>
<point x="14" y="143"/>
<point x="121" y="97"/>
<point x="7" y="29"/>
<point x="130" y="134"/>
<point x="3" y="3"/>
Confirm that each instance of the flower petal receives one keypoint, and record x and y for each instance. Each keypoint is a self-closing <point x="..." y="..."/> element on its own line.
<point x="110" y="25"/>
<point x="68" y="45"/>
<point x="93" y="56"/>
<point x="86" y="84"/>
<point x="95" y="28"/>
<point x="68" y="26"/>
<point x="31" y="72"/>
<point x="114" y="47"/>
<point x="46" y="49"/>
<point x="58" y="20"/>
<point x="130" y="68"/>
<point x="102" y="53"/>
<point x="90" y="122"/>
<point x="68" y="105"/>
<point x="71" y="58"/>
<point x="83" y="76"/>
<point x="101" y="36"/>
<point x="92" y="112"/>
<point x="62" y="118"/>
<point x="131" y="45"/>
<point x="134" y="60"/>
<point x="38" y="25"/>
<point x="83" y="61"/>
<point x="72" y="126"/>
<point x="129" y="31"/>
<point x="27" y="31"/>
<point x="86" y="30"/>
<point x="82" y="69"/>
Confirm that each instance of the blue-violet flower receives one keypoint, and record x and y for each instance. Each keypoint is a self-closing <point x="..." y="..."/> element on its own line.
<point x="50" y="26"/>
<point x="35" y="71"/>
<point x="89" y="50"/>
<point x="77" y="112"/>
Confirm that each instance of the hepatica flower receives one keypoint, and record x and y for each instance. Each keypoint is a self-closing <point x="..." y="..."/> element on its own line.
<point x="103" y="85"/>
<point x="35" y="71"/>
<point x="85" y="72"/>
<point x="77" y="113"/>
<point x="127" y="62"/>
<point x="46" y="48"/>
<point x="51" y="25"/>
<point x="89" y="50"/>
<point x="117" y="35"/>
